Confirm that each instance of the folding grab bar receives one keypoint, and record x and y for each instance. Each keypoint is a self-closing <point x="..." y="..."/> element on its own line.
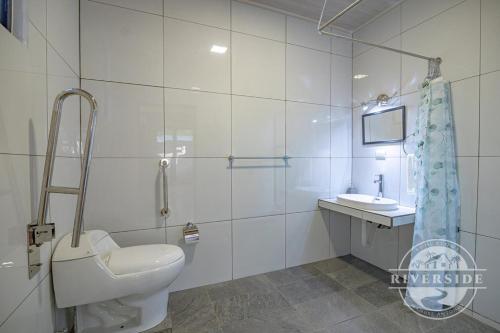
<point x="163" y="166"/>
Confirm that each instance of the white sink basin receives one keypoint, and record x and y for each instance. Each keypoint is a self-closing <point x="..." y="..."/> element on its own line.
<point x="367" y="202"/>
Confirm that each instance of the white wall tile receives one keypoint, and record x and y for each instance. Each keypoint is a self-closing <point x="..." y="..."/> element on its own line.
<point x="139" y="237"/>
<point x="258" y="188"/>
<point x="197" y="124"/>
<point x="307" y="237"/>
<point x="381" y="248"/>
<point x="199" y="190"/>
<point x="129" y="120"/>
<point x="134" y="56"/>
<point x="35" y="313"/>
<point x="468" y="174"/>
<point x="258" y="245"/>
<point x="341" y="172"/>
<point x="486" y="301"/>
<point x="190" y="43"/>
<point x="490" y="117"/>
<point x="414" y="12"/>
<point x="258" y="127"/>
<point x="461" y="55"/>
<point x="340" y="234"/>
<point x="123" y="194"/>
<point x="488" y="208"/>
<point x="307" y="75"/>
<point x="210" y="12"/>
<point x="56" y="66"/>
<point x="63" y="30"/>
<point x="405" y="243"/>
<point x="341" y="73"/>
<point x="148" y="6"/>
<point x="365" y="169"/>
<point x="305" y="33"/>
<point x="341" y="132"/>
<point x="383" y="69"/>
<point x="257" y="21"/>
<point x="208" y="261"/>
<point x="307" y="130"/>
<point x="490" y="45"/>
<point x="20" y="183"/>
<point x="258" y="67"/>
<point x="37" y="12"/>
<point x="381" y="30"/>
<point x="342" y="46"/>
<point x="307" y="180"/>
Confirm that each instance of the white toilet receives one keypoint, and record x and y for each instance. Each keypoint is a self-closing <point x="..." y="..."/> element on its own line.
<point x="114" y="289"/>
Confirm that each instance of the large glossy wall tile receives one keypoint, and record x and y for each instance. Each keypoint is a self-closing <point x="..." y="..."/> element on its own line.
<point x="307" y="75"/>
<point x="148" y="6"/>
<point x="258" y="21"/>
<point x="63" y="13"/>
<point x="123" y="194"/>
<point x="341" y="85"/>
<point x="307" y="237"/>
<point x="210" y="12"/>
<point x="379" y="73"/>
<point x="379" y="31"/>
<point x="136" y="53"/>
<point x="140" y="237"/>
<point x="307" y="130"/>
<point x="341" y="46"/>
<point x="205" y="49"/>
<point x="305" y="33"/>
<point x="197" y="124"/>
<point x="490" y="117"/>
<point x="461" y="55"/>
<point x="341" y="132"/>
<point x="258" y="67"/>
<point x="365" y="169"/>
<point x="207" y="262"/>
<point x="486" y="301"/>
<point x="37" y="13"/>
<point x="488" y="208"/>
<point x="414" y="12"/>
<point x="199" y="190"/>
<point x="258" y="127"/>
<point x="129" y="120"/>
<point x="341" y="172"/>
<point x="35" y="313"/>
<point x="307" y="180"/>
<point x="258" y="245"/>
<point x="258" y="188"/>
<point x="490" y="44"/>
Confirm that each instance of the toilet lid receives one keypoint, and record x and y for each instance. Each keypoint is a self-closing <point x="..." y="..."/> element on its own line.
<point x="135" y="259"/>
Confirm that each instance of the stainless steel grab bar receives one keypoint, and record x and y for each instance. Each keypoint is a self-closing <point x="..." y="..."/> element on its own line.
<point x="164" y="165"/>
<point x="232" y="158"/>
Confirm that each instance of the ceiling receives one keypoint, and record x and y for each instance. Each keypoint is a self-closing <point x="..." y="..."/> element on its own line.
<point x="351" y="21"/>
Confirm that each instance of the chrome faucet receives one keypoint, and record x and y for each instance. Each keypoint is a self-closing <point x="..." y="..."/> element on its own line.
<point x="379" y="179"/>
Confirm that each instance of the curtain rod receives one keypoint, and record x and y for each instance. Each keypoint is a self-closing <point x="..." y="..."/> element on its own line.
<point x="345" y="10"/>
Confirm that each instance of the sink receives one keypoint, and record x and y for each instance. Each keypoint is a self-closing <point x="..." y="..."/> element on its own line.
<point x="368" y="202"/>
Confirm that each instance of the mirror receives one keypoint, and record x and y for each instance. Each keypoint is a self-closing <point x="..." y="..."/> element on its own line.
<point x="384" y="126"/>
<point x="14" y="18"/>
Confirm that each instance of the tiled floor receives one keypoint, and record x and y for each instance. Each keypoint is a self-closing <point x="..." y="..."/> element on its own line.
<point x="333" y="296"/>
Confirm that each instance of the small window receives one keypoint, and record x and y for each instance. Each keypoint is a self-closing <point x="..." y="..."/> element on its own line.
<point x="14" y="17"/>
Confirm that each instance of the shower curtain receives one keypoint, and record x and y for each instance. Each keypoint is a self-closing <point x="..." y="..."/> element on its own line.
<point x="438" y="193"/>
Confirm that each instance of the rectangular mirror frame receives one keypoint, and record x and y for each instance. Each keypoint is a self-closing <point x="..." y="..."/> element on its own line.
<point x="402" y="108"/>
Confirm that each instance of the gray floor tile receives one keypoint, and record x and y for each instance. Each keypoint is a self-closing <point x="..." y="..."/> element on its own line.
<point x="277" y="321"/>
<point x="352" y="277"/>
<point x="331" y="265"/>
<point x="304" y="290"/>
<point x="370" y="323"/>
<point x="327" y="311"/>
<point x="258" y="284"/>
<point x="401" y="315"/>
<point x="241" y="307"/>
<point x="378" y="293"/>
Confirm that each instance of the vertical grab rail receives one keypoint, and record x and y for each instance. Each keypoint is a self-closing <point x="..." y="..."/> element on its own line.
<point x="163" y="166"/>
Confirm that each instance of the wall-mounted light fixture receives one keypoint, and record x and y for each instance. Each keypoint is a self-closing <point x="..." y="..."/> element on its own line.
<point x="381" y="100"/>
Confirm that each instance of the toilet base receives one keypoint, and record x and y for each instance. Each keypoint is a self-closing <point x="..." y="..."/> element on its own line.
<point x="130" y="314"/>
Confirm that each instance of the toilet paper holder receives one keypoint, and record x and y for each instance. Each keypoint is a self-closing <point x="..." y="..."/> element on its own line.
<point x="191" y="233"/>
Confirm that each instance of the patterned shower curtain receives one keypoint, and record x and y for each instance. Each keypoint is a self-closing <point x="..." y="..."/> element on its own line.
<point x="438" y="193"/>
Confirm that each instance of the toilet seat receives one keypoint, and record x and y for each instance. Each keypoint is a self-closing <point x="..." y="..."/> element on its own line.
<point x="144" y="258"/>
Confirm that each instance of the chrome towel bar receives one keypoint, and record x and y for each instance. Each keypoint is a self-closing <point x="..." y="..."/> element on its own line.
<point x="163" y="166"/>
<point x="232" y="158"/>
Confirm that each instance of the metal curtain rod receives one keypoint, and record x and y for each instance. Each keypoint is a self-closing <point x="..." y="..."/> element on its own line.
<point x="352" y="5"/>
